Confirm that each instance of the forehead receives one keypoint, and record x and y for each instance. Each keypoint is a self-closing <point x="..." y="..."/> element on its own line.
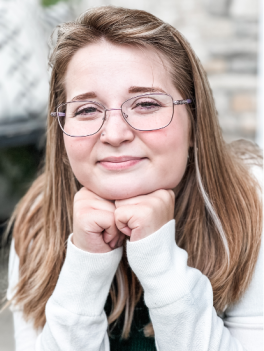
<point x="103" y="66"/>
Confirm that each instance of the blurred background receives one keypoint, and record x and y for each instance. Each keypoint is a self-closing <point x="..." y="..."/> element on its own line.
<point x="227" y="36"/>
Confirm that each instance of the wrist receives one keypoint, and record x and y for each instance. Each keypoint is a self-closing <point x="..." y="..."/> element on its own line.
<point x="161" y="267"/>
<point x="85" y="280"/>
<point x="89" y="245"/>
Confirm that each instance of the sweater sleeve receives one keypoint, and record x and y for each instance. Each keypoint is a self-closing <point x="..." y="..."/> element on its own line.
<point x="75" y="317"/>
<point x="180" y="299"/>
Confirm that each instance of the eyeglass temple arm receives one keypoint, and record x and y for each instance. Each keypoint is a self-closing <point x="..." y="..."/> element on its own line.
<point x="182" y="102"/>
<point x="57" y="114"/>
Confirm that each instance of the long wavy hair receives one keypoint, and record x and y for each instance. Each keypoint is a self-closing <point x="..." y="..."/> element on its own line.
<point x="217" y="205"/>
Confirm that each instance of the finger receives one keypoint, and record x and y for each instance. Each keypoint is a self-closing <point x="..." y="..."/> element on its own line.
<point x="109" y="235"/>
<point x="139" y="199"/>
<point x="102" y="205"/>
<point x="118" y="241"/>
<point x="94" y="200"/>
<point x="126" y="230"/>
<point x="132" y="201"/>
<point x="113" y="243"/>
<point x="95" y="204"/>
<point x="84" y="193"/>
<point x="103" y="221"/>
<point x="123" y="219"/>
<point x="88" y="193"/>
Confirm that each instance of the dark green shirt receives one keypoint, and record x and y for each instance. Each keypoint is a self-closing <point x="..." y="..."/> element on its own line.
<point x="137" y="340"/>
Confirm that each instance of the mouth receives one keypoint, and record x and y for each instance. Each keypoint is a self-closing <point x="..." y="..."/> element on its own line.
<point x="121" y="162"/>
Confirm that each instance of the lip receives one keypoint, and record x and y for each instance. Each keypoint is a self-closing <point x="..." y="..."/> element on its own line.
<point x="116" y="159"/>
<point x="120" y="163"/>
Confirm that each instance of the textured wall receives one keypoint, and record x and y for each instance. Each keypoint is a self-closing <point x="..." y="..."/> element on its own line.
<point x="224" y="35"/>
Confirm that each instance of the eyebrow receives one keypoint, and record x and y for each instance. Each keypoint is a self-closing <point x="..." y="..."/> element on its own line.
<point x="131" y="90"/>
<point x="85" y="96"/>
<point x="146" y="90"/>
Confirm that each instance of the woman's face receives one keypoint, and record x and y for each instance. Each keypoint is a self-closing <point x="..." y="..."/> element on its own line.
<point x="113" y="74"/>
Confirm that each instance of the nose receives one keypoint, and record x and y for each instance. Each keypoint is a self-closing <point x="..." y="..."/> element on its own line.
<point x="115" y="130"/>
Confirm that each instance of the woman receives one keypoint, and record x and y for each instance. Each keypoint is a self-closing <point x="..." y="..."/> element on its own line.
<point x="133" y="148"/>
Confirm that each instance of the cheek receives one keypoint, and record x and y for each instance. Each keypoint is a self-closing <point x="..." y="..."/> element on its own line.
<point x="172" y="141"/>
<point x="169" y="150"/>
<point x="79" y="152"/>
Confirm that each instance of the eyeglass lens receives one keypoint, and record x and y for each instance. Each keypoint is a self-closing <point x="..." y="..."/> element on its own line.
<point x="150" y="112"/>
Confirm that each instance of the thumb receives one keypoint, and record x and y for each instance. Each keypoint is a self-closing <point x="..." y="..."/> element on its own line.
<point x="125" y="230"/>
<point x="122" y="217"/>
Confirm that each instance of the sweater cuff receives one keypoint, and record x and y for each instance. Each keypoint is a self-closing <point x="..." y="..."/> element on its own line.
<point x="161" y="267"/>
<point x="85" y="279"/>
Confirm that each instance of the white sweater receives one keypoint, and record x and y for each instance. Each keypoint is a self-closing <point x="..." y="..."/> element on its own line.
<point x="179" y="299"/>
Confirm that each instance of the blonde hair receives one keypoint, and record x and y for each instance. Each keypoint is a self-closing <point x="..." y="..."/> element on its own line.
<point x="217" y="207"/>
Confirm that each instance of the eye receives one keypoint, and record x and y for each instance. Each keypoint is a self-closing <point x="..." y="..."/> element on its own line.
<point x="86" y="111"/>
<point x="147" y="104"/>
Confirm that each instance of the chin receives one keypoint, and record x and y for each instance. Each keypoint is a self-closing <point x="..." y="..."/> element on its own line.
<point x="119" y="190"/>
<point x="119" y="194"/>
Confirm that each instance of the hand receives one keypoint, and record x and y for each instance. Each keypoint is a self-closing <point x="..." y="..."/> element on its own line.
<point x="143" y="215"/>
<point x="94" y="228"/>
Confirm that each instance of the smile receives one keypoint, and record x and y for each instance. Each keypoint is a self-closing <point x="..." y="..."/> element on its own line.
<point x="120" y="163"/>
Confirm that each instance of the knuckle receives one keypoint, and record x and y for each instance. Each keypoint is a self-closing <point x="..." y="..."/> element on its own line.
<point x="111" y="207"/>
<point x="82" y="219"/>
<point x="161" y="194"/>
<point x="164" y="198"/>
<point x="81" y="194"/>
<point x="172" y="195"/>
<point x="157" y="201"/>
<point x="77" y="196"/>
<point x="147" y="210"/>
<point x="167" y="195"/>
<point x="117" y="213"/>
<point x="78" y="213"/>
<point x="111" y="220"/>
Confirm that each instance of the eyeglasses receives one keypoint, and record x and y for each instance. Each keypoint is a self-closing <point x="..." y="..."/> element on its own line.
<point x="145" y="112"/>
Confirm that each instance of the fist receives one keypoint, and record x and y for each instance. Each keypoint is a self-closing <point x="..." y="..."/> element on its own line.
<point x="143" y="215"/>
<point x="94" y="228"/>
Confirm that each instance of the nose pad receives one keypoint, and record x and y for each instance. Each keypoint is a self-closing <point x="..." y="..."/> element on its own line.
<point x="115" y="109"/>
<point x="117" y="131"/>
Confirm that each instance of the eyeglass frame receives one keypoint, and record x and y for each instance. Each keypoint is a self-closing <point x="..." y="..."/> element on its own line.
<point x="62" y="114"/>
